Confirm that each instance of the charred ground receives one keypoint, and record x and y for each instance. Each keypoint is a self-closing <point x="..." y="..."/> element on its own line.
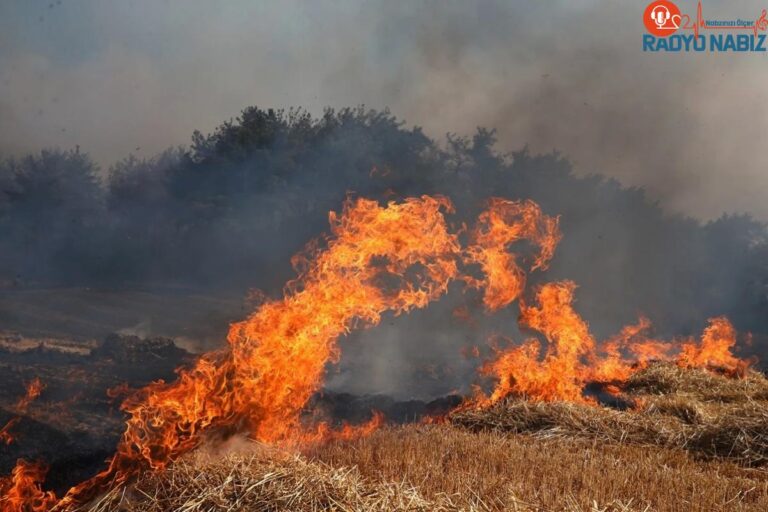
<point x="75" y="422"/>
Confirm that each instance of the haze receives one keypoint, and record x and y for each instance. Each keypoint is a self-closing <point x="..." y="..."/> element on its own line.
<point x="138" y="76"/>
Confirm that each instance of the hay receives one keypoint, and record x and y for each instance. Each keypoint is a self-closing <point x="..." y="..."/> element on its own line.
<point x="259" y="478"/>
<point x="707" y="414"/>
<point x="279" y="483"/>
<point x="259" y="481"/>
<point x="701" y="385"/>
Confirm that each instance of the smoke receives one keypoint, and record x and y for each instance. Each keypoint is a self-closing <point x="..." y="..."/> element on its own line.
<point x="133" y="78"/>
<point x="137" y="77"/>
<point x="228" y="216"/>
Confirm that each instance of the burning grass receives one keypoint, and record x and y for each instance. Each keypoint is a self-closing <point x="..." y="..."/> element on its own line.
<point x="691" y="444"/>
<point x="707" y="414"/>
<point x="397" y="258"/>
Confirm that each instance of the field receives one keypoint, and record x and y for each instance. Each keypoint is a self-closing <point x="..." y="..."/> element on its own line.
<point x="690" y="440"/>
<point x="85" y="314"/>
<point x="668" y="439"/>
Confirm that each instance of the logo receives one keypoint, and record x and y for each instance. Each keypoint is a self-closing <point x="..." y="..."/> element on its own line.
<point x="662" y="18"/>
<point x="668" y="29"/>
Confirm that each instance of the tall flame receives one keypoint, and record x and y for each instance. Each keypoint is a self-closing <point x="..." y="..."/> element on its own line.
<point x="562" y="373"/>
<point x="377" y="260"/>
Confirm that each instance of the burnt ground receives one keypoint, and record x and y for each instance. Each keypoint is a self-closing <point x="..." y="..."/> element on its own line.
<point x="74" y="425"/>
<point x="66" y="338"/>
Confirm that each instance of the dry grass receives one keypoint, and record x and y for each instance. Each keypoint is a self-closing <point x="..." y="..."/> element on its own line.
<point x="441" y="468"/>
<point x="696" y="442"/>
<point x="259" y="481"/>
<point x="492" y="471"/>
<point x="701" y="385"/>
<point x="707" y="414"/>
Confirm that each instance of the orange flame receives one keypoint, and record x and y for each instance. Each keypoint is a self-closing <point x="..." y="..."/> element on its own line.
<point x="5" y="433"/>
<point x="714" y="350"/>
<point x="561" y="374"/>
<point x="378" y="260"/>
<point x="21" y="491"/>
<point x="573" y="358"/>
<point x="33" y="390"/>
<point x="503" y="223"/>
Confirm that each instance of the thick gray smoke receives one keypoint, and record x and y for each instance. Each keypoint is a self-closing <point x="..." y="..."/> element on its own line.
<point x="135" y="76"/>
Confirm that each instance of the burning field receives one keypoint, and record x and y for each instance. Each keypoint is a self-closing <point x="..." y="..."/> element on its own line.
<point x="560" y="420"/>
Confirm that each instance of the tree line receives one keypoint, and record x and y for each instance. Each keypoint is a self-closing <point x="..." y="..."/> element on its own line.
<point x="229" y="211"/>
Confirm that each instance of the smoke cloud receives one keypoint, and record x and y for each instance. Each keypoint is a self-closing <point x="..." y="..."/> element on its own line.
<point x="136" y="77"/>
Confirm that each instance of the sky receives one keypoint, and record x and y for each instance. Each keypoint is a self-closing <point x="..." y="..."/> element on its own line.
<point x="138" y="76"/>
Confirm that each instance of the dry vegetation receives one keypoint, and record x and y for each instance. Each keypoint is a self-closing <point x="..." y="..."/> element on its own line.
<point x="697" y="441"/>
<point x="260" y="481"/>
<point x="709" y="415"/>
<point x="489" y="471"/>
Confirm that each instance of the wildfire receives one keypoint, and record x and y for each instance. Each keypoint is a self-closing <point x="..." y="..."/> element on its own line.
<point x="573" y="358"/>
<point x="502" y="224"/>
<point x="5" y="433"/>
<point x="377" y="260"/>
<point x="22" y="492"/>
<point x="561" y="374"/>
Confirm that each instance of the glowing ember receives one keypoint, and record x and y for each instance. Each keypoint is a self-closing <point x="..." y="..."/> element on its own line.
<point x="33" y="390"/>
<point x="5" y="433"/>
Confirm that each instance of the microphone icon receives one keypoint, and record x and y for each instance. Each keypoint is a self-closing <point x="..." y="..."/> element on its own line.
<point x="660" y="15"/>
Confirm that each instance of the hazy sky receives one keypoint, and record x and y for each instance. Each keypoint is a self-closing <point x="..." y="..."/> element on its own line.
<point x="137" y="76"/>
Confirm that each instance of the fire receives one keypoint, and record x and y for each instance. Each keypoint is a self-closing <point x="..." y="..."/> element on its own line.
<point x="5" y="433"/>
<point x="502" y="224"/>
<point x="323" y="432"/>
<point x="715" y="348"/>
<point x="377" y="260"/>
<point x="21" y="492"/>
<point x="33" y="390"/>
<point x="573" y="358"/>
<point x="562" y="372"/>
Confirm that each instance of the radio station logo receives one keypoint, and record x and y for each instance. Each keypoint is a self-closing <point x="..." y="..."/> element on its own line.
<point x="661" y="18"/>
<point x="668" y="29"/>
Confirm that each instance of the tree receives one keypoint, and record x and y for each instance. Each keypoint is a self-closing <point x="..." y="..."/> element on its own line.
<point x="51" y="201"/>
